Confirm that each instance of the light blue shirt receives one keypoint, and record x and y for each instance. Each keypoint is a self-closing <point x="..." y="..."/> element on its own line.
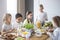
<point x="56" y="34"/>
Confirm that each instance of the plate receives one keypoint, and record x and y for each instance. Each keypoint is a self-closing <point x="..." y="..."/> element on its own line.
<point x="38" y="33"/>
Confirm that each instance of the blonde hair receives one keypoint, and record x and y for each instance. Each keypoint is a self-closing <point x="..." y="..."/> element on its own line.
<point x="7" y="15"/>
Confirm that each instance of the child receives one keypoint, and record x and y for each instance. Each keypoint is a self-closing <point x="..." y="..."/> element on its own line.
<point x="28" y="17"/>
<point x="18" y="23"/>
<point x="28" y="20"/>
<point x="42" y="16"/>
<point x="56" y="32"/>
<point x="7" y="27"/>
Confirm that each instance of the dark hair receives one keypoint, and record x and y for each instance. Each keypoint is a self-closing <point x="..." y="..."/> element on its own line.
<point x="41" y="5"/>
<point x="18" y="15"/>
<point x="28" y="12"/>
<point x="56" y="19"/>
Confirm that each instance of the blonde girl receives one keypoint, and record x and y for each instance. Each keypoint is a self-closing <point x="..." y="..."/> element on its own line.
<point x="7" y="27"/>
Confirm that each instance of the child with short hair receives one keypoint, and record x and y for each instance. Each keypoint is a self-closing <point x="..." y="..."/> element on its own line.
<point x="7" y="26"/>
<point x="18" y="23"/>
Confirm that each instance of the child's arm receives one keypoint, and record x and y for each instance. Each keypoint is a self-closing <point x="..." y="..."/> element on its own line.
<point x="14" y="29"/>
<point x="53" y="35"/>
<point x="3" y="30"/>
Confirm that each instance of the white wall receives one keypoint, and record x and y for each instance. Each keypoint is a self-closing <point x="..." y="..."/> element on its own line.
<point x="36" y="9"/>
<point x="9" y="6"/>
<point x="12" y="8"/>
<point x="3" y="9"/>
<point x="52" y="7"/>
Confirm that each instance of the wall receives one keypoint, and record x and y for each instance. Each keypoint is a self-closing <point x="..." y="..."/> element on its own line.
<point x="36" y="9"/>
<point x="29" y="5"/>
<point x="52" y="7"/>
<point x="3" y="9"/>
<point x="12" y="8"/>
<point x="21" y="7"/>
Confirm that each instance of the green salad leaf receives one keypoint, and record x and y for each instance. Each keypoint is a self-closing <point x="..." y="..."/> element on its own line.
<point x="19" y="38"/>
<point x="48" y="24"/>
<point x="28" y="26"/>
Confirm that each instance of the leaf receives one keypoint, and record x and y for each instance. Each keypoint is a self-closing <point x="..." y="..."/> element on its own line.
<point x="19" y="38"/>
<point x="29" y="26"/>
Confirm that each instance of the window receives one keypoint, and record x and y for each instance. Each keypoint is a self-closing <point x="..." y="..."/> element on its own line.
<point x="12" y="8"/>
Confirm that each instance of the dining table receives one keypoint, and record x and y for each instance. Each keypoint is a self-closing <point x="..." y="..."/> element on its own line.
<point x="13" y="36"/>
<point x="42" y="37"/>
<point x="33" y="37"/>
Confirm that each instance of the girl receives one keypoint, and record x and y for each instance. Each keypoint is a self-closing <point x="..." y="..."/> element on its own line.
<point x="28" y="20"/>
<point x="28" y="17"/>
<point x="56" y="33"/>
<point x="7" y="27"/>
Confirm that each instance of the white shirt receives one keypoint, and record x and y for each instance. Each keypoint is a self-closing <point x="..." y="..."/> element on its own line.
<point x="55" y="35"/>
<point x="17" y="25"/>
<point x="6" y="27"/>
<point x="42" y="16"/>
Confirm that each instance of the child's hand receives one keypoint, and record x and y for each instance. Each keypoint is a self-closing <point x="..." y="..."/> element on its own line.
<point x="3" y="33"/>
<point x="50" y="30"/>
<point x="9" y="31"/>
<point x="49" y="34"/>
<point x="14" y="30"/>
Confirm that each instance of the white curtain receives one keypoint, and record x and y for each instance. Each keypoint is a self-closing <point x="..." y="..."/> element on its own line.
<point x="12" y="8"/>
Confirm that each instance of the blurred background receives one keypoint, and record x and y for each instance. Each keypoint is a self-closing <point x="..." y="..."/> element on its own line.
<point x="52" y="7"/>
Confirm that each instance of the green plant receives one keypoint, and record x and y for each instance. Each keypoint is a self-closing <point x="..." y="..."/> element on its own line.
<point x="28" y="26"/>
<point x="19" y="38"/>
<point x="48" y="24"/>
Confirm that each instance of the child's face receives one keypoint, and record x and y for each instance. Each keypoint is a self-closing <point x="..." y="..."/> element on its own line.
<point x="41" y="8"/>
<point x="30" y="16"/>
<point x="9" y="19"/>
<point x="19" y="19"/>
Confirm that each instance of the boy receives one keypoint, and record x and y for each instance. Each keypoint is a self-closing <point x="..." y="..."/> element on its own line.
<point x="18" y="23"/>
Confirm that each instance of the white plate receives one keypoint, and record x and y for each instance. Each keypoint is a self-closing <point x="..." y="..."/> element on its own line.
<point x="38" y="35"/>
